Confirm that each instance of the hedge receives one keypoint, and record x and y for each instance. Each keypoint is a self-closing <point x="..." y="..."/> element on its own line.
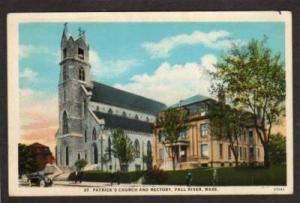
<point x="100" y="176"/>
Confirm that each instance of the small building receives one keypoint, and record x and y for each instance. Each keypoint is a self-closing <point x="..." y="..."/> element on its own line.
<point x="198" y="148"/>
<point x="42" y="155"/>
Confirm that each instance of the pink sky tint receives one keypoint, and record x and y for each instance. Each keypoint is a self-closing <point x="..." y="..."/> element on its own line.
<point x="39" y="118"/>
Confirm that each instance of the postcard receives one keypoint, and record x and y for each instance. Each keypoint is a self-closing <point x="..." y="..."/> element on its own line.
<point x="150" y="103"/>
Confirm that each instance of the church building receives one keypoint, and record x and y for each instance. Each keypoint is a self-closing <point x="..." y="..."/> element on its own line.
<point x="89" y="111"/>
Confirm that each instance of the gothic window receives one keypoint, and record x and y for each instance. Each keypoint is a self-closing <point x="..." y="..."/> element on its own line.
<point x="109" y="148"/>
<point x="85" y="136"/>
<point x="136" y="117"/>
<point x="110" y="111"/>
<point x="64" y="73"/>
<point x="65" y="53"/>
<point x="78" y="156"/>
<point x="124" y="114"/>
<point x="65" y="123"/>
<point x="67" y="156"/>
<point x="94" y="134"/>
<point x="81" y="74"/>
<point x="147" y="119"/>
<point x="81" y="53"/>
<point x="149" y="148"/>
<point x="137" y="148"/>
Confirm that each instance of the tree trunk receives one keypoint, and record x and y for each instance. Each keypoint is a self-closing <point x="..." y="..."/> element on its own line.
<point x="266" y="156"/>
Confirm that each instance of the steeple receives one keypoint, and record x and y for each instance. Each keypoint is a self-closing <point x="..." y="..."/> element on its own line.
<point x="65" y="35"/>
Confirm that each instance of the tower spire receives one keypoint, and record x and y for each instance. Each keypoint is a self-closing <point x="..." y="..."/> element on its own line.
<point x="65" y="32"/>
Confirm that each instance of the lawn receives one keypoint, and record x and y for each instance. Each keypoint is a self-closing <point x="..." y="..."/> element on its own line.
<point x="229" y="176"/>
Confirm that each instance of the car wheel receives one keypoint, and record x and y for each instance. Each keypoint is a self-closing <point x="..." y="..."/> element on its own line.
<point x="42" y="183"/>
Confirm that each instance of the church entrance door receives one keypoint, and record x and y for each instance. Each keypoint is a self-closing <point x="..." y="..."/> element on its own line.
<point x="95" y="152"/>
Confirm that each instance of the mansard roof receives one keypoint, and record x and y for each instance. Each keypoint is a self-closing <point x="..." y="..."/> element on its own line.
<point x="191" y="100"/>
<point x="114" y="121"/>
<point x="109" y="95"/>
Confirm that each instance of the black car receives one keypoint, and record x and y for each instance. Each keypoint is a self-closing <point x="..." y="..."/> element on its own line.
<point x="39" y="180"/>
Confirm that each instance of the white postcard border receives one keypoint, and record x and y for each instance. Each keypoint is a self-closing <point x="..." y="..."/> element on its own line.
<point x="13" y="21"/>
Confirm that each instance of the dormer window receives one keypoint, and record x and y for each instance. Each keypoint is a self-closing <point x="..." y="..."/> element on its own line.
<point x="81" y="53"/>
<point x="65" y="53"/>
<point x="81" y="74"/>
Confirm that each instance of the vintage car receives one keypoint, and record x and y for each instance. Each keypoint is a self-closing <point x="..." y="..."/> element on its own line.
<point x="38" y="180"/>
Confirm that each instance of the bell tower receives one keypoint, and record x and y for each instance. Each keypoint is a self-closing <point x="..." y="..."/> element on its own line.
<point x="74" y="75"/>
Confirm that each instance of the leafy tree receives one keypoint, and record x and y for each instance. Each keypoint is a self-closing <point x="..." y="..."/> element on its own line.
<point x="277" y="148"/>
<point x="81" y="163"/>
<point x="253" y="79"/>
<point x="148" y="159"/>
<point x="227" y="123"/>
<point x="122" y="148"/>
<point x="172" y="121"/>
<point x="27" y="162"/>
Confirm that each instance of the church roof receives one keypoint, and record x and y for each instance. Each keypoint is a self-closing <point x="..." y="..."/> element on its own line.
<point x="116" y="97"/>
<point x="114" y="121"/>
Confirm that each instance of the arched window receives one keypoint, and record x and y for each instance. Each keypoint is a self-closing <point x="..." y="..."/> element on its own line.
<point x="64" y="73"/>
<point x="147" y="119"/>
<point x="109" y="148"/>
<point x="136" y="117"/>
<point x="81" y="74"/>
<point x="94" y="134"/>
<point x="78" y="156"/>
<point x="149" y="148"/>
<point x="65" y="123"/>
<point x="95" y="153"/>
<point x="67" y="156"/>
<point x="137" y="148"/>
<point x="110" y="111"/>
<point x="85" y="136"/>
<point x="124" y="114"/>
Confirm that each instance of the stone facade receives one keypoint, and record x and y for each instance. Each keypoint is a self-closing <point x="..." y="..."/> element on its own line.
<point x="82" y="134"/>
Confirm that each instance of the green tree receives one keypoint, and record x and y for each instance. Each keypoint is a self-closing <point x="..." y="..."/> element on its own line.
<point x="253" y="79"/>
<point x="27" y="162"/>
<point x="172" y="122"/>
<point x="81" y="163"/>
<point x="122" y="148"/>
<point x="148" y="159"/>
<point x="227" y="123"/>
<point x="277" y="148"/>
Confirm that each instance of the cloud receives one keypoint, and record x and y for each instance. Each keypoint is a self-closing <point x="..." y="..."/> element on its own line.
<point x="39" y="117"/>
<point x="171" y="83"/>
<point x="26" y="50"/>
<point x="109" y="69"/>
<point x="29" y="75"/>
<point x="214" y="39"/>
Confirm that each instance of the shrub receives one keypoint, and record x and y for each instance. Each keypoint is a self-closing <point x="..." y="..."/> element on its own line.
<point x="100" y="176"/>
<point x="155" y="176"/>
<point x="81" y="163"/>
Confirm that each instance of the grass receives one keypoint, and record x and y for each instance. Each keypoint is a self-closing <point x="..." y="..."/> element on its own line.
<point x="229" y="176"/>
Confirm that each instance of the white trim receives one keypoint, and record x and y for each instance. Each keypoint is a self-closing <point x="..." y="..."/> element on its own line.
<point x="85" y="91"/>
<point x="95" y="117"/>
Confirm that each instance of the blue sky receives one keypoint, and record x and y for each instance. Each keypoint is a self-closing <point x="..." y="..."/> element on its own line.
<point x="120" y="52"/>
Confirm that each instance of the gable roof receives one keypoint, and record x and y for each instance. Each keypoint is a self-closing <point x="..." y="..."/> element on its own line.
<point x="116" y="97"/>
<point x="114" y="121"/>
<point x="191" y="100"/>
